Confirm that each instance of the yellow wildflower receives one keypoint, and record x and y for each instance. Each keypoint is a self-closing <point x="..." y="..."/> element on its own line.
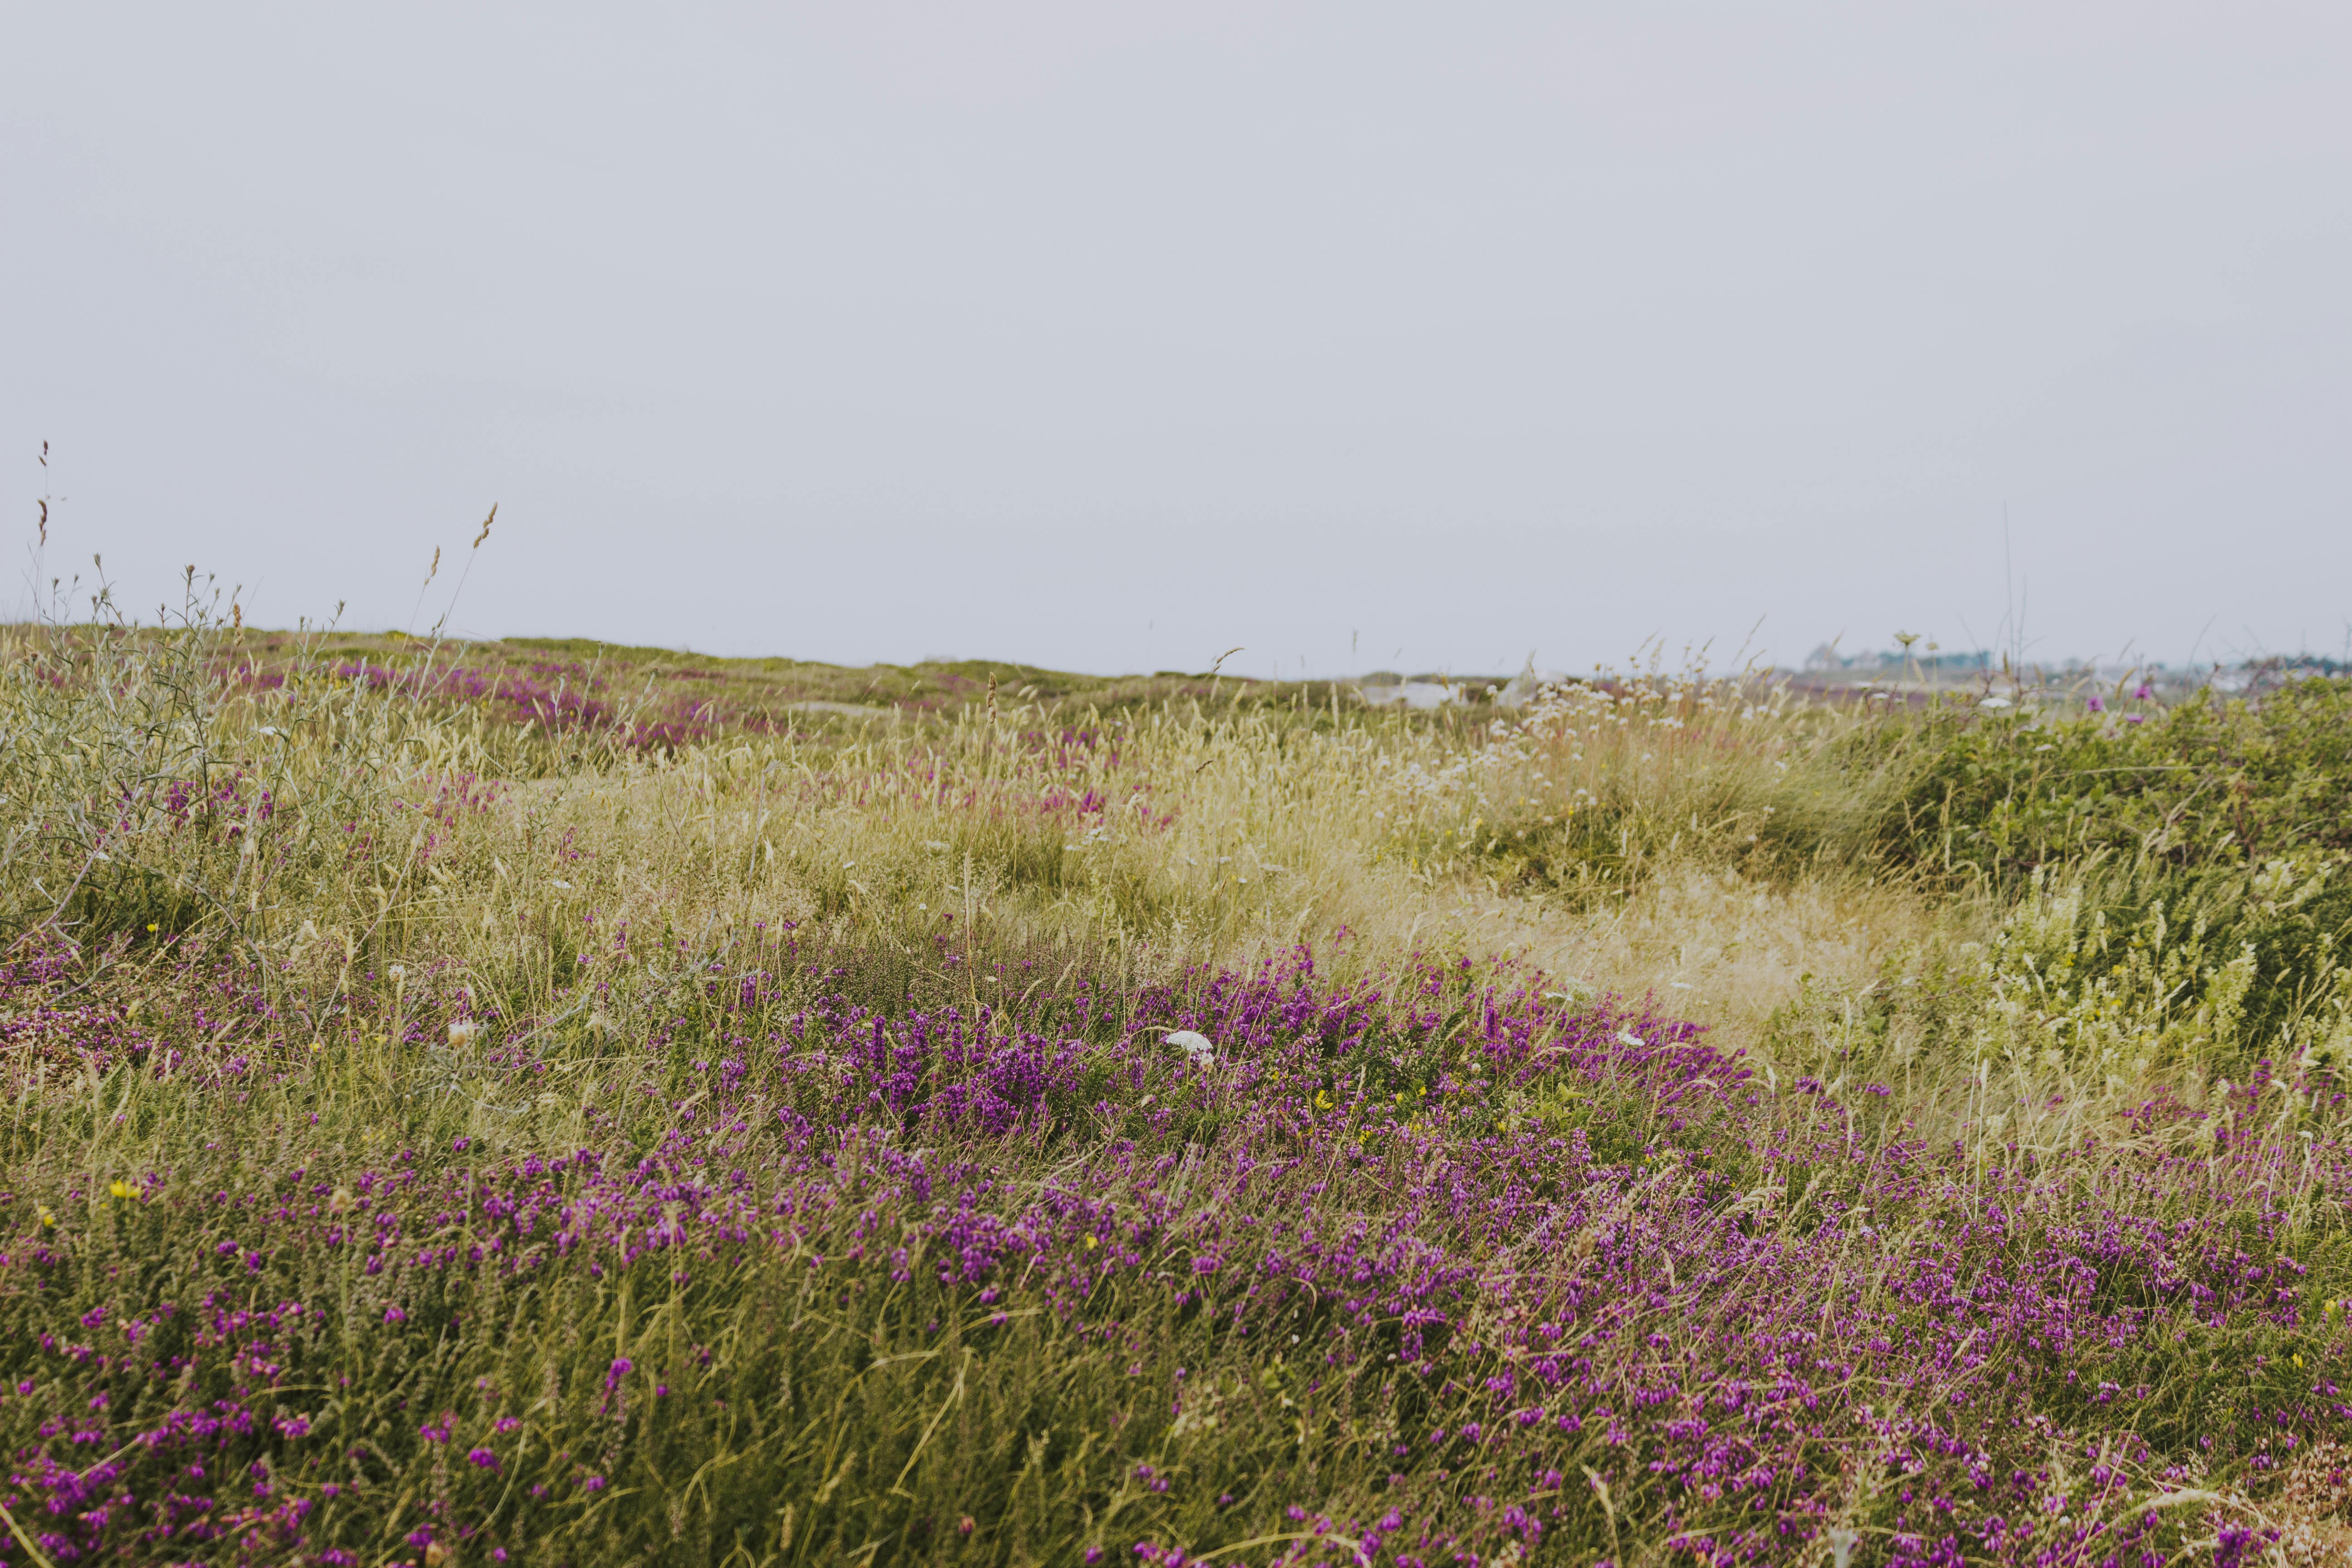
<point x="124" y="1190"/>
<point x="47" y="1217"/>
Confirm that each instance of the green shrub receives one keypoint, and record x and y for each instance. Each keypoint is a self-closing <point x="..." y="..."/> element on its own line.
<point x="2211" y="781"/>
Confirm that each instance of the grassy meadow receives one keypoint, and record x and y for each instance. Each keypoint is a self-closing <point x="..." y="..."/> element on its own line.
<point x="544" y="1103"/>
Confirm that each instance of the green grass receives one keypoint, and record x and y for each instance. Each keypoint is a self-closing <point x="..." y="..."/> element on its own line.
<point x="808" y="1062"/>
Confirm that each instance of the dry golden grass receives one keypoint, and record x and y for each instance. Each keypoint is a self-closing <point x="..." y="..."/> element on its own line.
<point x="1704" y="843"/>
<point x="1679" y="837"/>
<point x="1175" y="836"/>
<point x="1720" y="947"/>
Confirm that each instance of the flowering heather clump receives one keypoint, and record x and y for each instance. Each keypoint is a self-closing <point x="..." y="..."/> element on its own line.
<point x="1415" y="1266"/>
<point x="560" y="700"/>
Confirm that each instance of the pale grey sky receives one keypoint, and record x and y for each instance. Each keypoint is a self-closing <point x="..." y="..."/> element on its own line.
<point x="1109" y="336"/>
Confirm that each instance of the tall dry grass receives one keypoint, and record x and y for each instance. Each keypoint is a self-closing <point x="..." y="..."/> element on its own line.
<point x="1682" y="835"/>
<point x="266" y="929"/>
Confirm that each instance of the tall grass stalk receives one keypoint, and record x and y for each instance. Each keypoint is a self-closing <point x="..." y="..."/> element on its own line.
<point x="441" y="1135"/>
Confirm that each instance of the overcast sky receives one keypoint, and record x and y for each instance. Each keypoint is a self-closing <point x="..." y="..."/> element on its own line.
<point x="1110" y="336"/>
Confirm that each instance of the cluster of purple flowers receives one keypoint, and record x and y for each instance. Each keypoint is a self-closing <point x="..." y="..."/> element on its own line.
<point x="1563" y="1271"/>
<point x="559" y="698"/>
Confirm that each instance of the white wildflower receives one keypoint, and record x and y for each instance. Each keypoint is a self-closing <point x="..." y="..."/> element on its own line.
<point x="1196" y="1045"/>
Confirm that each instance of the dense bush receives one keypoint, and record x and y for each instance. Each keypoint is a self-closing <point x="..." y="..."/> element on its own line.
<point x="2213" y="781"/>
